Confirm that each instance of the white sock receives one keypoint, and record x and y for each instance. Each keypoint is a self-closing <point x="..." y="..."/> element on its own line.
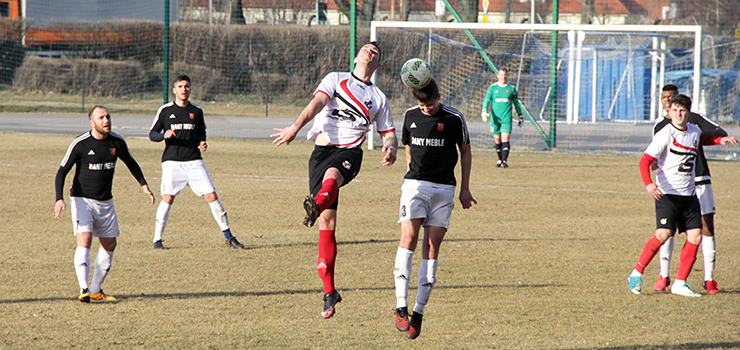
<point x="103" y="262"/>
<point x="635" y="273"/>
<point x="708" y="248"/>
<point x="427" y="279"/>
<point x="217" y="209"/>
<point x="666" y="252"/>
<point x="402" y="273"/>
<point x="82" y="266"/>
<point x="163" y="214"/>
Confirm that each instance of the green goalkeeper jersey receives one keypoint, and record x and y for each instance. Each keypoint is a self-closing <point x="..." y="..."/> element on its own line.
<point x="503" y="97"/>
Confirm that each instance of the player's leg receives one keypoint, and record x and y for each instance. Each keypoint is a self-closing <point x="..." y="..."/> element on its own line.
<point x="649" y="250"/>
<point x="496" y="131"/>
<point x="505" y="147"/>
<point x="402" y="269"/>
<point x="83" y="225"/>
<point x="174" y="179"/>
<point x="708" y="244"/>
<point x="106" y="230"/>
<point x="691" y="220"/>
<point x="327" y="259"/>
<point x="666" y="253"/>
<point x="201" y="184"/>
<point x="432" y="241"/>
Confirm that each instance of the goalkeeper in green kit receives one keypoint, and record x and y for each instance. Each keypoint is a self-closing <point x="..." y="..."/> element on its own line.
<point x="501" y="96"/>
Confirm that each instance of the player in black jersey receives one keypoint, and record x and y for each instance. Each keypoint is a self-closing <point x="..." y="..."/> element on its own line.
<point x="180" y="124"/>
<point x="94" y="156"/>
<point x="432" y="133"/>
<point x="704" y="192"/>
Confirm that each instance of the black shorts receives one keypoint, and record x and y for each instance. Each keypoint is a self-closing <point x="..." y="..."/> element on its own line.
<point x="347" y="160"/>
<point x="682" y="212"/>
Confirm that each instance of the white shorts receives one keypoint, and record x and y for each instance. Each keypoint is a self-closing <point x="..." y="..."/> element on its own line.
<point x="193" y="173"/>
<point x="94" y="216"/>
<point x="428" y="200"/>
<point x="706" y="198"/>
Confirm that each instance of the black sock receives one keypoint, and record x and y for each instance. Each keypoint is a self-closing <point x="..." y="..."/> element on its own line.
<point x="498" y="150"/>
<point x="505" y="150"/>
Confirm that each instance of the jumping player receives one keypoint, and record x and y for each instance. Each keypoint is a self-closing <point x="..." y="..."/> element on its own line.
<point x="501" y="96"/>
<point x="703" y="184"/>
<point x="181" y="126"/>
<point x="432" y="133"/>
<point x="344" y="106"/>
<point x="94" y="156"/>
<point x="675" y="149"/>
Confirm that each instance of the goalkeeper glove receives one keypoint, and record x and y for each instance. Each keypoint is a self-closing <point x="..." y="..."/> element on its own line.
<point x="484" y="115"/>
<point x="520" y="122"/>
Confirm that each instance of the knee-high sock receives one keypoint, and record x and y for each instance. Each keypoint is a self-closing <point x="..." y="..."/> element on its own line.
<point x="402" y="273"/>
<point x="666" y="253"/>
<point x="648" y="252"/>
<point x="498" y="151"/>
<point x="327" y="194"/>
<point x="427" y="279"/>
<point x="688" y="258"/>
<point x="505" y="146"/>
<point x="217" y="209"/>
<point x="103" y="262"/>
<point x="163" y="214"/>
<point x="710" y="254"/>
<point x="327" y="257"/>
<point x="82" y="266"/>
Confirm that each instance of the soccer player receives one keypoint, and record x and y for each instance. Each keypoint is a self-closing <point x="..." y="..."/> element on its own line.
<point x="675" y="149"/>
<point x="501" y="96"/>
<point x="94" y="154"/>
<point x="432" y="133"/>
<point x="181" y="126"/>
<point x="703" y="184"/>
<point x="343" y="107"/>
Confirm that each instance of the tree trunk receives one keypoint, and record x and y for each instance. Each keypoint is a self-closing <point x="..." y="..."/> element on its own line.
<point x="587" y="11"/>
<point x="365" y="11"/>
<point x="406" y="6"/>
<point x="507" y="15"/>
<point x="237" y="15"/>
<point x="468" y="10"/>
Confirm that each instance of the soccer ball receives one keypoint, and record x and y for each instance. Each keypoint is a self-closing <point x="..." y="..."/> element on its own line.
<point x="416" y="73"/>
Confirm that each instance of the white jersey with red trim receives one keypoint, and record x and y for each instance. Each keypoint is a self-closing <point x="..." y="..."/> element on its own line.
<point x="676" y="152"/>
<point x="353" y="106"/>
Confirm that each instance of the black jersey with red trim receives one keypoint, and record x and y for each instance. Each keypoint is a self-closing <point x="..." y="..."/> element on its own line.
<point x="95" y="162"/>
<point x="434" y="141"/>
<point x="707" y="126"/>
<point x="190" y="129"/>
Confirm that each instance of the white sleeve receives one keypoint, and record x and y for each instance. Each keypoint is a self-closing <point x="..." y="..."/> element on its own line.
<point x="384" y="117"/>
<point x="328" y="85"/>
<point x="658" y="145"/>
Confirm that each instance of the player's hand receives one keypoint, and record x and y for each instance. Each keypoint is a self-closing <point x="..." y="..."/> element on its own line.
<point x="484" y="115"/>
<point x="203" y="146"/>
<point x="390" y="156"/>
<point x="169" y="133"/>
<point x="58" y="207"/>
<point x="466" y="199"/>
<point x="146" y="190"/>
<point x="654" y="191"/>
<point x="520" y="122"/>
<point x="285" y="135"/>
<point x="726" y="139"/>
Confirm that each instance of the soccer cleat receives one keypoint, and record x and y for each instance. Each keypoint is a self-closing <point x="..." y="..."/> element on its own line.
<point x="498" y="164"/>
<point x="100" y="296"/>
<point x="402" y="319"/>
<point x="414" y="326"/>
<point x="158" y="245"/>
<point x="84" y="296"/>
<point x="711" y="286"/>
<point x="330" y="301"/>
<point x="682" y="288"/>
<point x="312" y="211"/>
<point x="662" y="283"/>
<point x="504" y="164"/>
<point x="233" y="243"/>
<point x="635" y="284"/>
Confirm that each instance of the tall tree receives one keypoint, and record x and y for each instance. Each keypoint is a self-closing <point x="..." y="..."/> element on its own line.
<point x="237" y="14"/>
<point x="365" y="11"/>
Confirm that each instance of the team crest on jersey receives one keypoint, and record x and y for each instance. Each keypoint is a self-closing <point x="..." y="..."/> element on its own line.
<point x="369" y="104"/>
<point x="507" y="91"/>
<point x="192" y="116"/>
<point x="346" y="164"/>
<point x="113" y="151"/>
<point x="440" y="126"/>
<point x="663" y="221"/>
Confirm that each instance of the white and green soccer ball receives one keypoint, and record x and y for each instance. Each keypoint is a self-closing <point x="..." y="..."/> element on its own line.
<point x="416" y="73"/>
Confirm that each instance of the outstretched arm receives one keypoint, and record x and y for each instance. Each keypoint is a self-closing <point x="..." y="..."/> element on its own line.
<point x="466" y="161"/>
<point x="286" y="135"/>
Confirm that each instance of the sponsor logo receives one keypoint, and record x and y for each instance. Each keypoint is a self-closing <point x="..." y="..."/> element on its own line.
<point x="172" y="116"/>
<point x="321" y="265"/>
<point x="183" y="126"/>
<point x="91" y="153"/>
<point x="440" y="126"/>
<point x="192" y="116"/>
<point x="402" y="277"/>
<point x="369" y="104"/>
<point x="663" y="221"/>
<point x="507" y="91"/>
<point x="113" y="151"/>
<point x="423" y="141"/>
<point x="346" y="164"/>
<point x="413" y="125"/>
<point x="102" y="166"/>
<point x="428" y="285"/>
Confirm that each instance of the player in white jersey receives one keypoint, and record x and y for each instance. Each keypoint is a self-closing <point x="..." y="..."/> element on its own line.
<point x="94" y="155"/>
<point x="674" y="148"/>
<point x="343" y="107"/>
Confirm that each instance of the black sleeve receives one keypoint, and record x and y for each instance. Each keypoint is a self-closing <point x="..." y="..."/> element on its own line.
<point x="708" y="128"/>
<point x="131" y="163"/>
<point x="156" y="136"/>
<point x="71" y="159"/>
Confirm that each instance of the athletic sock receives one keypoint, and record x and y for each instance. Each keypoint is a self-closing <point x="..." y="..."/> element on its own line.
<point x="710" y="254"/>
<point x="227" y="234"/>
<point x="648" y="252"/>
<point x="327" y="194"/>
<point x="82" y="266"/>
<point x="217" y="209"/>
<point x="163" y="214"/>
<point x="498" y="151"/>
<point x="103" y="262"/>
<point x="666" y="253"/>
<point x="505" y="150"/>
<point x="327" y="257"/>
<point x="688" y="258"/>
<point x="427" y="279"/>
<point x="402" y="272"/>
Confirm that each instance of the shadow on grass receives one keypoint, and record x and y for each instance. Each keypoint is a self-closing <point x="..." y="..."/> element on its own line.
<point x="375" y="241"/>
<point x="687" y="346"/>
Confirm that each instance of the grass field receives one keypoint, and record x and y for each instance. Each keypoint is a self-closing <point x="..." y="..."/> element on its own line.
<point x="540" y="263"/>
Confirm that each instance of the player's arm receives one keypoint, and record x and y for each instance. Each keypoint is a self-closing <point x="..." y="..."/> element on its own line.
<point x="466" y="162"/>
<point x="652" y="189"/>
<point x="69" y="160"/>
<point x="286" y="135"/>
<point x="202" y="145"/>
<point x="484" y="114"/>
<point x="390" y="147"/>
<point x="156" y="133"/>
<point x="719" y="141"/>
<point x="408" y="157"/>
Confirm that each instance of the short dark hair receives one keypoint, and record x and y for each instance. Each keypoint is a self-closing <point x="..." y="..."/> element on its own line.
<point x="181" y="77"/>
<point x="427" y="93"/>
<point x="670" y="87"/>
<point x="681" y="100"/>
<point x="503" y="69"/>
<point x="89" y="114"/>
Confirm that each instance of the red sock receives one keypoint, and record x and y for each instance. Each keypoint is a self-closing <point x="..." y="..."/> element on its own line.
<point x="327" y="257"/>
<point x="688" y="258"/>
<point x="648" y="253"/>
<point x="327" y="194"/>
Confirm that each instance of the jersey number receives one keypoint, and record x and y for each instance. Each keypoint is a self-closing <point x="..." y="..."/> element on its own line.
<point x="688" y="165"/>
